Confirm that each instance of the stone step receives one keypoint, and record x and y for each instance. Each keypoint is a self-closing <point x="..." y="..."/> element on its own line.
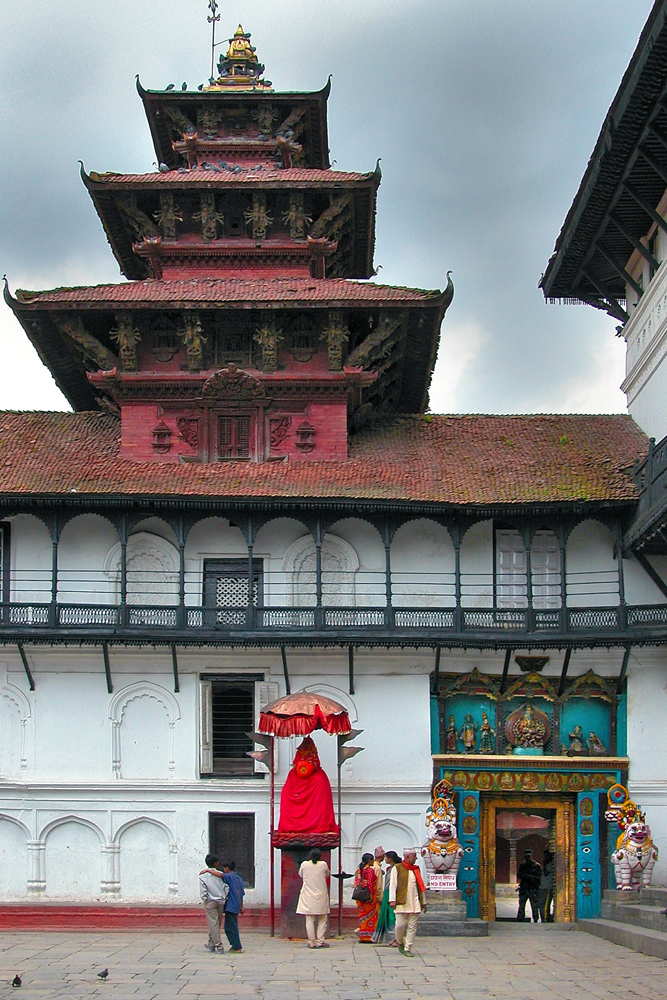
<point x="646" y="941"/>
<point x="430" y="926"/>
<point x="655" y="894"/>
<point x="635" y="914"/>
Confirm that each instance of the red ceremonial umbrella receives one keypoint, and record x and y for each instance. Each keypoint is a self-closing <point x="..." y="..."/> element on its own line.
<point x="301" y="713"/>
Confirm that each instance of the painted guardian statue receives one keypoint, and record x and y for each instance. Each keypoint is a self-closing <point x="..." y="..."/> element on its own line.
<point x="442" y="851"/>
<point x="635" y="854"/>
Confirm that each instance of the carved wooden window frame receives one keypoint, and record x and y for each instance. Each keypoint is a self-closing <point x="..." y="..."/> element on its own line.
<point x="211" y="689"/>
<point x="255" y="416"/>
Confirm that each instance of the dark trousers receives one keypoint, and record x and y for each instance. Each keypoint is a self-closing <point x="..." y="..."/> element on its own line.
<point x="232" y="930"/>
<point x="546" y="901"/>
<point x="526" y="894"/>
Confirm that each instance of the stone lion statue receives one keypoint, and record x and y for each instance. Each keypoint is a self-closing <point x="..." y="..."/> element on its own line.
<point x="635" y="854"/>
<point x="442" y="851"/>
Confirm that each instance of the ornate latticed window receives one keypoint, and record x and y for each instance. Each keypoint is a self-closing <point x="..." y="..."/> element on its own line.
<point x="231" y="341"/>
<point x="226" y="588"/>
<point x="233" y="437"/>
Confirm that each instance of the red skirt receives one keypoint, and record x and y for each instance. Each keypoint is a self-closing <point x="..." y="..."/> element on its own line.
<point x="368" y="918"/>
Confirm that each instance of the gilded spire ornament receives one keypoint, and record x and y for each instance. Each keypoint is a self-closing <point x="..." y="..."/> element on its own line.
<point x="239" y="69"/>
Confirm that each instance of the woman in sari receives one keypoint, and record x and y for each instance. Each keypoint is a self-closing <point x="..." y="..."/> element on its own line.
<point x="385" y="928"/>
<point x="365" y="878"/>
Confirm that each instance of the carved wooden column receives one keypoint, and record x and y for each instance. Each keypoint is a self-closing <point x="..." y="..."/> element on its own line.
<point x="250" y="540"/>
<point x="319" y="616"/>
<point x="563" y="579"/>
<point x="55" y="536"/>
<point x="455" y="534"/>
<point x="621" y="577"/>
<point x="181" y="572"/>
<point x="528" y="541"/>
<point x="389" y="611"/>
<point x="123" y="570"/>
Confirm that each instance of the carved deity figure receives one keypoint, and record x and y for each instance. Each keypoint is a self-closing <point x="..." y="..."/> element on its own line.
<point x="258" y="218"/>
<point x="529" y="731"/>
<point x="468" y="734"/>
<point x="487" y="736"/>
<point x="208" y="216"/>
<point x="596" y="746"/>
<point x="635" y="855"/>
<point x="442" y="851"/>
<point x="451" y="737"/>
<point x="576" y="739"/>
<point x="295" y="217"/>
<point x="306" y="802"/>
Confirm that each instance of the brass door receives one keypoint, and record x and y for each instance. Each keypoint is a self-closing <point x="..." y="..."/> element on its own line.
<point x="566" y="858"/>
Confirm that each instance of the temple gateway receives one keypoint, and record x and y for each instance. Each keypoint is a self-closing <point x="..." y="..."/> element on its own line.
<point x="251" y="499"/>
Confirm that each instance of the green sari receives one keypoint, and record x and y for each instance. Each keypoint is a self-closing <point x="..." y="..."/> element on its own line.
<point x="384" y="932"/>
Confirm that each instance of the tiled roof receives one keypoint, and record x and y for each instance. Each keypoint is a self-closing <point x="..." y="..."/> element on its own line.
<point x="204" y="291"/>
<point x="184" y="178"/>
<point x="452" y="460"/>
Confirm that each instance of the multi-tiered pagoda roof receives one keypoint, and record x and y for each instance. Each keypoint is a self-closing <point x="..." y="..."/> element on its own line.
<point x="247" y="330"/>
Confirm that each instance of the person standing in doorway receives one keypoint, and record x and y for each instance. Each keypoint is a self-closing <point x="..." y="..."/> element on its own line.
<point x="407" y="899"/>
<point x="313" y="900"/>
<point x="546" y="894"/>
<point x="529" y="874"/>
<point x="213" y="892"/>
<point x="234" y="904"/>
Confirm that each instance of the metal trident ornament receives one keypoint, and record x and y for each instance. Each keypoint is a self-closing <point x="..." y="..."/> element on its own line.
<point x="212" y="18"/>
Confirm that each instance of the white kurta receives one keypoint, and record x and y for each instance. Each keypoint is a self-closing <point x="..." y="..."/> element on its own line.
<point x="314" y="895"/>
<point x="411" y="904"/>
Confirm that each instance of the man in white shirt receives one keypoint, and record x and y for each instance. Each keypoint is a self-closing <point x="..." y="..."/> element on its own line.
<point x="213" y="892"/>
<point x="406" y="898"/>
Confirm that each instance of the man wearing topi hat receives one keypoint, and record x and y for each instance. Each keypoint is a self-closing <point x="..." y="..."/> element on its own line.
<point x="406" y="897"/>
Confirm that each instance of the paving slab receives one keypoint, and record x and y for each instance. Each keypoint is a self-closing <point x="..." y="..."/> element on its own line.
<point x="518" y="961"/>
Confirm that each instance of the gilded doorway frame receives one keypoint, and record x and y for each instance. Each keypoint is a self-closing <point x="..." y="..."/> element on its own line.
<point x="566" y="852"/>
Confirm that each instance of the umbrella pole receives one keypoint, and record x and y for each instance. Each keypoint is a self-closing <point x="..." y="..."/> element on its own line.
<point x="272" y="822"/>
<point x="340" y="857"/>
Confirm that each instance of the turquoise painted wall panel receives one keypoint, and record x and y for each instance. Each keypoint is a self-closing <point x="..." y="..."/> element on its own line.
<point x="589" y="891"/>
<point x="435" y="725"/>
<point x="461" y="705"/>
<point x="589" y="713"/>
<point x="468" y="817"/>
<point x="622" y="726"/>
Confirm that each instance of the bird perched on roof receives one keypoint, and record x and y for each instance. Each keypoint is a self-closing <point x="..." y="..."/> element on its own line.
<point x="184" y="86"/>
<point x="170" y="86"/>
<point x="103" y="974"/>
<point x="163" y="168"/>
<point x="16" y="981"/>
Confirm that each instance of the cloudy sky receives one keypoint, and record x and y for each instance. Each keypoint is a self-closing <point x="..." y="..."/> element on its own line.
<point x="484" y="113"/>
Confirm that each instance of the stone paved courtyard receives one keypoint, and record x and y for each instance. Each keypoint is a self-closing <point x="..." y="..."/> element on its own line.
<point x="525" y="962"/>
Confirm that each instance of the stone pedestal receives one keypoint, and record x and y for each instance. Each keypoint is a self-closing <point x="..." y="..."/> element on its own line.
<point x="446" y="916"/>
<point x="292" y="853"/>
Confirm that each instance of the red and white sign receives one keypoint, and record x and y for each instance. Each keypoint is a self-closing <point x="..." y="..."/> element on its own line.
<point x="442" y="881"/>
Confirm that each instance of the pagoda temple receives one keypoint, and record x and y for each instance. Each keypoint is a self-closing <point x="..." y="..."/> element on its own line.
<point x="240" y="334"/>
<point x="251" y="499"/>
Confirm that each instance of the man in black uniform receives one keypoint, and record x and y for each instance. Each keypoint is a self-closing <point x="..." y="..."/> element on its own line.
<point x="529" y="874"/>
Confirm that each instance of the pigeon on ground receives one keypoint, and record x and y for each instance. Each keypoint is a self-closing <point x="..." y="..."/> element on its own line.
<point x="16" y="981"/>
<point x="103" y="974"/>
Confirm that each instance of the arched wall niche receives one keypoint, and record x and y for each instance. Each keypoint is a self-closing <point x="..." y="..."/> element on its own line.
<point x="340" y="564"/>
<point x="15" y="713"/>
<point x="146" y="859"/>
<point x="72" y="858"/>
<point x="169" y="707"/>
<point x="83" y="547"/>
<point x="423" y="565"/>
<point x="591" y="567"/>
<point x="152" y="570"/>
<point x="14" y="836"/>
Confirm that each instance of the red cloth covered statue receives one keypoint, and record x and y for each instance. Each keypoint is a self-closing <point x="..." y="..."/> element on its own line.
<point x="306" y="802"/>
